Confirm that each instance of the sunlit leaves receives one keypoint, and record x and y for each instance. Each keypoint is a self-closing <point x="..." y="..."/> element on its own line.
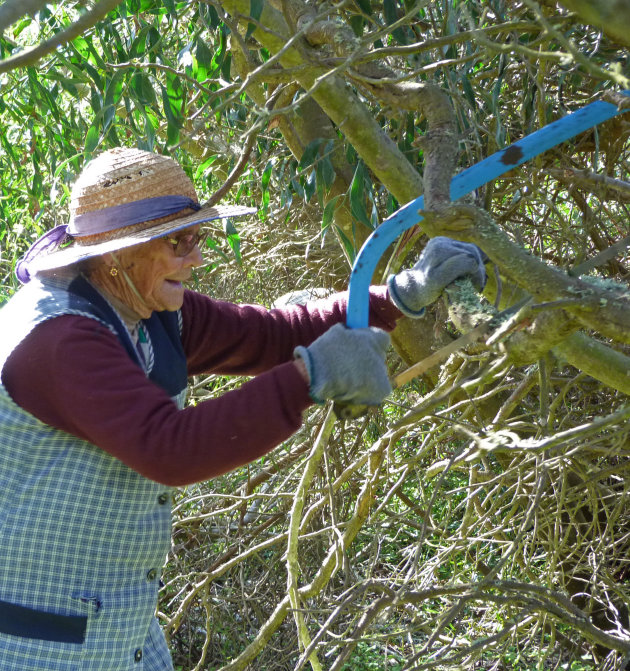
<point x="360" y="194"/>
<point x="172" y="104"/>
<point x="233" y="238"/>
<point x="91" y="139"/>
<point x="203" y="60"/>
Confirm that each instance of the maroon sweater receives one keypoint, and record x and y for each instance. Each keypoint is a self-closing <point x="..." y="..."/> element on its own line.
<point x="73" y="374"/>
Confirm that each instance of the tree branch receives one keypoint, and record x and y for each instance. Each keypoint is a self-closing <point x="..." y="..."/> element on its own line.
<point x="602" y="307"/>
<point x="34" y="54"/>
<point x="612" y="16"/>
<point x="12" y="10"/>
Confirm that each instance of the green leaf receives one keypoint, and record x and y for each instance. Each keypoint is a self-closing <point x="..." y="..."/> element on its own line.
<point x="325" y="174"/>
<point x="109" y="112"/>
<point x="144" y="89"/>
<point x="389" y="9"/>
<point x="203" y="168"/>
<point x="266" y="176"/>
<point x="374" y="220"/>
<point x="297" y="187"/>
<point x="347" y="243"/>
<point x="310" y="152"/>
<point x="329" y="214"/>
<point x="172" y="134"/>
<point x="114" y="88"/>
<point x="153" y="39"/>
<point x="264" y="185"/>
<point x="325" y="167"/>
<point x="204" y="60"/>
<point x="149" y="132"/>
<point x="139" y="45"/>
<point x="175" y="94"/>
<point x="233" y="238"/>
<point x="209" y="16"/>
<point x="468" y="90"/>
<point x="256" y="8"/>
<point x="226" y="71"/>
<point x="96" y="100"/>
<point x="91" y="139"/>
<point x="229" y="228"/>
<point x="168" y="109"/>
<point x="356" y="23"/>
<point x="310" y="185"/>
<point x="391" y="15"/>
<point x="21" y="25"/>
<point x="255" y="11"/>
<point x="212" y="244"/>
<point x="358" y="196"/>
<point x="170" y="7"/>
<point x="36" y="184"/>
<point x="9" y="149"/>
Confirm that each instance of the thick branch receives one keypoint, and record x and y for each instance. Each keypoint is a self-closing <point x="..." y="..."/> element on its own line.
<point x="597" y="360"/>
<point x="527" y="336"/>
<point x="440" y="142"/>
<point x="594" y="182"/>
<point x="612" y="16"/>
<point x="530" y="335"/>
<point x="12" y="10"/>
<point x="598" y="307"/>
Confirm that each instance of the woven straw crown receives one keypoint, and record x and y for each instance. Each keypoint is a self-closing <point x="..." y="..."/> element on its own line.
<point x="124" y="175"/>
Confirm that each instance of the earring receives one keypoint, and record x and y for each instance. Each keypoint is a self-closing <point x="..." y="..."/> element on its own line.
<point x="113" y="271"/>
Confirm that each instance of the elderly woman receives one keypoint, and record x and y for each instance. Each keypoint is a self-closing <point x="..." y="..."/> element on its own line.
<point x="95" y="353"/>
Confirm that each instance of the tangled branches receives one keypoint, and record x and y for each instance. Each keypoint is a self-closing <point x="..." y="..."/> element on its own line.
<point x="433" y="537"/>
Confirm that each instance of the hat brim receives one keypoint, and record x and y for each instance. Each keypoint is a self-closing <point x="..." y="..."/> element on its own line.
<point x="76" y="253"/>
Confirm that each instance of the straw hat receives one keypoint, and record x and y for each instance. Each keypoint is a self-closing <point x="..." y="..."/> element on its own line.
<point x="123" y="197"/>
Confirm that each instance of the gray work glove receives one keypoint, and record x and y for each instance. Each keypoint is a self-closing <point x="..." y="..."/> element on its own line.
<point x="348" y="365"/>
<point x="442" y="262"/>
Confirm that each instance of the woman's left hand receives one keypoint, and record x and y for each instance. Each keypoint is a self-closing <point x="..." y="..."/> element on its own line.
<point x="442" y="262"/>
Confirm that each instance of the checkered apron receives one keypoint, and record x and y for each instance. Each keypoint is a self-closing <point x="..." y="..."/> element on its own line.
<point x="81" y="534"/>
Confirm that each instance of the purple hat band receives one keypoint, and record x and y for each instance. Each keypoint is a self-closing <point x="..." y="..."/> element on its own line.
<point x="128" y="214"/>
<point x="102" y="221"/>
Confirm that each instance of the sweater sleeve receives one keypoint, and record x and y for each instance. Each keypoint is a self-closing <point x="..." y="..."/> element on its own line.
<point x="73" y="374"/>
<point x="234" y="339"/>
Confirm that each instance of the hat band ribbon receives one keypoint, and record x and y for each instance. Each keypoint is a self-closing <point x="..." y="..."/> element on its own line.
<point x="128" y="214"/>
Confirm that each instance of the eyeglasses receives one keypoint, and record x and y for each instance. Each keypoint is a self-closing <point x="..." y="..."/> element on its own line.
<point x="184" y="244"/>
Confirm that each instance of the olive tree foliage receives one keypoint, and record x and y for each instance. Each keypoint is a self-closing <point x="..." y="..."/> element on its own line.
<point x="480" y="518"/>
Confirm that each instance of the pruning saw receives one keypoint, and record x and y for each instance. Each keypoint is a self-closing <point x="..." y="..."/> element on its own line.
<point x="465" y="182"/>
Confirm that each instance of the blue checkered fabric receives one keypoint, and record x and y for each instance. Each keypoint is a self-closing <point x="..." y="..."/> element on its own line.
<point x="80" y="532"/>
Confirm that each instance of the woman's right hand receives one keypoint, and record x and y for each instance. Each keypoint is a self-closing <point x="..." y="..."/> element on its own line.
<point x="347" y="365"/>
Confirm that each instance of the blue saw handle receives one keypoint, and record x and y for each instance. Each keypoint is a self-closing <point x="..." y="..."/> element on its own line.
<point x="463" y="183"/>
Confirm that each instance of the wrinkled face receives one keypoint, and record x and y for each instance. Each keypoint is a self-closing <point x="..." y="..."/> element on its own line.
<point x="157" y="273"/>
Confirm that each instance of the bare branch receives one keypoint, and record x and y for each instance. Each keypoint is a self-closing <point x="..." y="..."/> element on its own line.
<point x="32" y="55"/>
